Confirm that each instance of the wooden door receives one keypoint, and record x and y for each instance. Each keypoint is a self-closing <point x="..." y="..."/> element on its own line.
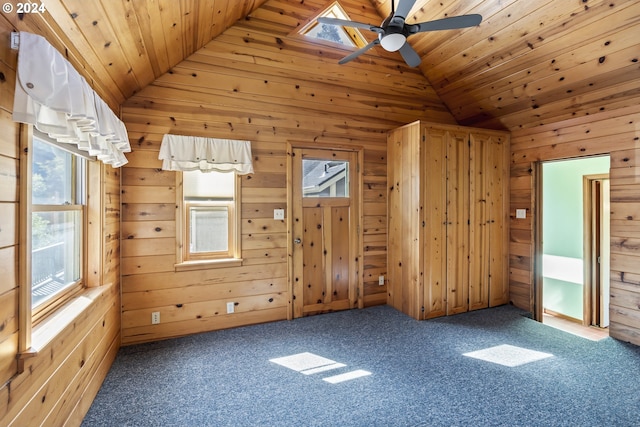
<point x="435" y="223"/>
<point x="488" y="278"/>
<point x="326" y="232"/>
<point x="457" y="184"/>
<point x="596" y="251"/>
<point x="480" y="225"/>
<point x="498" y="219"/>
<point x="404" y="176"/>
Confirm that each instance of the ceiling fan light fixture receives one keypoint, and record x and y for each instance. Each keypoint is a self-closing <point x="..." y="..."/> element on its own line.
<point x="392" y="42"/>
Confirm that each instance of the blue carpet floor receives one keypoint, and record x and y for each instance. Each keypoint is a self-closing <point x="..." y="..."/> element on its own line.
<point x="406" y="373"/>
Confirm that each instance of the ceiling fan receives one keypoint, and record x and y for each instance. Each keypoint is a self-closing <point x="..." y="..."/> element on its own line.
<point x="393" y="32"/>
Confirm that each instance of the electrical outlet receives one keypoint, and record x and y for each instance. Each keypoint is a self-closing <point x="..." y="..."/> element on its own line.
<point x="381" y="280"/>
<point x="230" y="307"/>
<point x="278" y="214"/>
<point x="155" y="317"/>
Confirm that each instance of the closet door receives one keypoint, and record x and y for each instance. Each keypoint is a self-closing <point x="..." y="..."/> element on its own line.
<point x="479" y="252"/>
<point x="434" y="224"/>
<point x="457" y="188"/>
<point x="404" y="244"/>
<point x="498" y="217"/>
<point x="488" y="271"/>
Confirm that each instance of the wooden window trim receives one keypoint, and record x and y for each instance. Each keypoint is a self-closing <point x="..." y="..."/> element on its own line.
<point x="185" y="263"/>
<point x="37" y="328"/>
<point x="211" y="256"/>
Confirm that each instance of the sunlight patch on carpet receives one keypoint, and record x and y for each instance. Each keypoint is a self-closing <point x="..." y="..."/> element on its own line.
<point x="309" y="364"/>
<point x="508" y="355"/>
<point x="359" y="373"/>
<point x="303" y="361"/>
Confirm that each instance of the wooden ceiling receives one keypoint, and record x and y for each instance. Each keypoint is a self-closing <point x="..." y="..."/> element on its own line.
<point x="531" y="62"/>
<point x="528" y="63"/>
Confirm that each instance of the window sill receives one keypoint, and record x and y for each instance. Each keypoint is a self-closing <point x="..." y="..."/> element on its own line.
<point x="207" y="264"/>
<point x="55" y="323"/>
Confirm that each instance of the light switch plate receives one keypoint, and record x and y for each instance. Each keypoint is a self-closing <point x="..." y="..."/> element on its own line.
<point x="278" y="214"/>
<point x="521" y="213"/>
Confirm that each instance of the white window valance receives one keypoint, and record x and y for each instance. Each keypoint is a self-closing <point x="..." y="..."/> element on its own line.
<point x="52" y="96"/>
<point x="187" y="153"/>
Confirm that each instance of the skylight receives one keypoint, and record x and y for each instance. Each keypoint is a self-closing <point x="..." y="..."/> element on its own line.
<point x="345" y="36"/>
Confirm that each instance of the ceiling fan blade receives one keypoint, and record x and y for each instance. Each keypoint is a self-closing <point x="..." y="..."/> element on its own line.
<point x="345" y="23"/>
<point x="409" y="55"/>
<point x="404" y="7"/>
<point x="358" y="52"/>
<point x="451" y="23"/>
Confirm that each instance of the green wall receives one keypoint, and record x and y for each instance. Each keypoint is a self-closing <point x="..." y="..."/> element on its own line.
<point x="562" y="225"/>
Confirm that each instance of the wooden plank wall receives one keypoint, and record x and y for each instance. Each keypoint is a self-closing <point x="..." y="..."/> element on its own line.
<point x="258" y="81"/>
<point x="614" y="132"/>
<point x="59" y="384"/>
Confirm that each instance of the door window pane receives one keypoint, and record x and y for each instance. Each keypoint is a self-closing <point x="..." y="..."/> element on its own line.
<point x="325" y="178"/>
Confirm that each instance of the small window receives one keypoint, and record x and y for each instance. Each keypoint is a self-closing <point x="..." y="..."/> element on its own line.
<point x="346" y="36"/>
<point x="58" y="193"/>
<point x="325" y="178"/>
<point x="210" y="216"/>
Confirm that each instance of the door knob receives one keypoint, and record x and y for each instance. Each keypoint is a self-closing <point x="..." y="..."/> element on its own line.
<point x="297" y="241"/>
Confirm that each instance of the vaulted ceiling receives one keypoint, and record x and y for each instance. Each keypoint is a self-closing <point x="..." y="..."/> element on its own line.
<point x="528" y="62"/>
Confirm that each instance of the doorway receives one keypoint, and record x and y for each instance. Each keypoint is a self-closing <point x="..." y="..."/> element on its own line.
<point x="573" y="282"/>
<point x="326" y="230"/>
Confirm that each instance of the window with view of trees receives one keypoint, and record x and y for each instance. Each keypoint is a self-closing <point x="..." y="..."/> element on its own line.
<point x="58" y="187"/>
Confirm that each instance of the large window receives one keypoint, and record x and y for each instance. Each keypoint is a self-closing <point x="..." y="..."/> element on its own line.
<point x="210" y="216"/>
<point x="58" y="195"/>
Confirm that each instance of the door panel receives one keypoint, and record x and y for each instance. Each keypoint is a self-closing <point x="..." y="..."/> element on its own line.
<point x="457" y="223"/>
<point x="435" y="229"/>
<point x="479" y="232"/>
<point x="597" y="252"/>
<point x="340" y="253"/>
<point x="313" y="260"/>
<point x="498" y="177"/>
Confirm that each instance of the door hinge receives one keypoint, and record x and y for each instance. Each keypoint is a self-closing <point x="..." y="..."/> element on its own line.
<point x="424" y="139"/>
